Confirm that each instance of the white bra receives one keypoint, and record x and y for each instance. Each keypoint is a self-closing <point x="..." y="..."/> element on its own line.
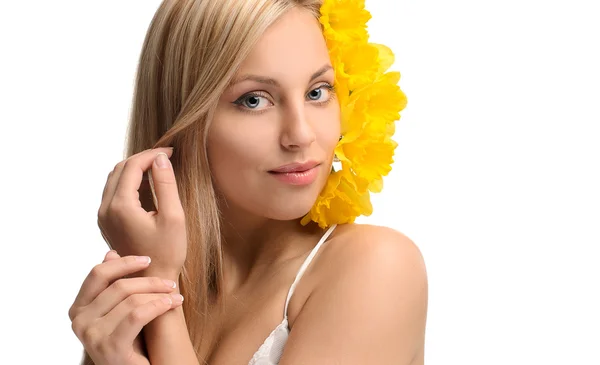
<point x="271" y="350"/>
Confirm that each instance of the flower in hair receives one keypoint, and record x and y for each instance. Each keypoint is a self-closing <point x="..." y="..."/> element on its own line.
<point x="342" y="199"/>
<point x="344" y="21"/>
<point x="370" y="103"/>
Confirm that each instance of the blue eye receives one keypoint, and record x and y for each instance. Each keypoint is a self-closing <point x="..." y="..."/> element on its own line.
<point x="315" y="94"/>
<point x="250" y="101"/>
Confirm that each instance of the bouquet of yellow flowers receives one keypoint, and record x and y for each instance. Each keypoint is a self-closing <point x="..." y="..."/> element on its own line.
<point x="370" y="101"/>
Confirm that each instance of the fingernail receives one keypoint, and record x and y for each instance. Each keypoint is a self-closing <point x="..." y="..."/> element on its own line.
<point x="177" y="298"/>
<point x="170" y="283"/>
<point x="144" y="259"/>
<point x="167" y="300"/>
<point x="162" y="160"/>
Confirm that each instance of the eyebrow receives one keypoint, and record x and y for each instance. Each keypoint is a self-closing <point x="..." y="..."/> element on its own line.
<point x="270" y="81"/>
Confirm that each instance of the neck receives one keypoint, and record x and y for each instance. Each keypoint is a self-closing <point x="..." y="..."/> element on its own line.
<point x="254" y="246"/>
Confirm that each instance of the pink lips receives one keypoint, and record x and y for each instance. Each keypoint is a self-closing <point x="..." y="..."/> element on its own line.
<point x="297" y="173"/>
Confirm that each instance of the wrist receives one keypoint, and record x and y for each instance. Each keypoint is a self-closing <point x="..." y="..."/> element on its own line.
<point x="163" y="273"/>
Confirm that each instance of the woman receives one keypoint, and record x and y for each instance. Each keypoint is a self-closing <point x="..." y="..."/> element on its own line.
<point x="237" y="117"/>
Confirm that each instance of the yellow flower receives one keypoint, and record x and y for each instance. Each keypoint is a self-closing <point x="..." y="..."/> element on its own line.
<point x="374" y="108"/>
<point x="356" y="64"/>
<point x="383" y="100"/>
<point x="370" y="102"/>
<point x="359" y="64"/>
<point x="367" y="147"/>
<point x="342" y="200"/>
<point x="344" y="21"/>
<point x="369" y="157"/>
<point x="355" y="69"/>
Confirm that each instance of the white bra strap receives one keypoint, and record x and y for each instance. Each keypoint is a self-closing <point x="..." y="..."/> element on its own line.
<point x="304" y="266"/>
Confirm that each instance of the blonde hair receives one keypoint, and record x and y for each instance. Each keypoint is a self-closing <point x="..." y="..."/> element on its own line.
<point x="192" y="51"/>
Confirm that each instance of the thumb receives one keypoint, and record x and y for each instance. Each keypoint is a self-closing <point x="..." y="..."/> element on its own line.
<point x="111" y="255"/>
<point x="165" y="187"/>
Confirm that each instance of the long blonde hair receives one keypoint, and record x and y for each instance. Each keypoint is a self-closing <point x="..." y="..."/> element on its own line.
<point x="192" y="50"/>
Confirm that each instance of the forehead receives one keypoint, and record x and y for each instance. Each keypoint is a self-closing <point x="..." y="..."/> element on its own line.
<point x="294" y="45"/>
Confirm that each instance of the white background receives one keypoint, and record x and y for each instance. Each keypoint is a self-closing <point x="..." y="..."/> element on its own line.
<point x="497" y="174"/>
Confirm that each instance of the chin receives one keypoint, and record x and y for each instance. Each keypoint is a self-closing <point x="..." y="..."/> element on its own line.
<point x="287" y="212"/>
<point x="290" y="205"/>
<point x="282" y="205"/>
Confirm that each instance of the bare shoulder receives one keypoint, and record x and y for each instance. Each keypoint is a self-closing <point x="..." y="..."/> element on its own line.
<point x="373" y="240"/>
<point x="377" y="250"/>
<point x="368" y="303"/>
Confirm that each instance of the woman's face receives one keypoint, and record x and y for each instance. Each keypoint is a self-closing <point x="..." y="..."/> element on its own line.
<point x="280" y="111"/>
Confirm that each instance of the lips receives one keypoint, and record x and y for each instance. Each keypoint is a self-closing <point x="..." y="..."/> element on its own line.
<point x="299" y="174"/>
<point x="295" y="167"/>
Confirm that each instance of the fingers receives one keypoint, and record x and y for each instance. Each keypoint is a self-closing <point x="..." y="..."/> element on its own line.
<point x="112" y="181"/>
<point x="165" y="186"/>
<point x="132" y="323"/>
<point x="111" y="333"/>
<point x="108" y="194"/>
<point x="111" y="255"/>
<point x="102" y="275"/>
<point x="114" y="177"/>
<point x="122" y="289"/>
<point x="110" y="312"/>
<point x="130" y="178"/>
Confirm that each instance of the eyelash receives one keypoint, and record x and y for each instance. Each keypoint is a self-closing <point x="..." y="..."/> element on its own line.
<point x="240" y="100"/>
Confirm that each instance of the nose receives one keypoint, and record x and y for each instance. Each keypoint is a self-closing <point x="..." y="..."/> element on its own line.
<point x="297" y="132"/>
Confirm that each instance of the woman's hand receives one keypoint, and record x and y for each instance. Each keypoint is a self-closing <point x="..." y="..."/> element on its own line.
<point x="129" y="229"/>
<point x="110" y="312"/>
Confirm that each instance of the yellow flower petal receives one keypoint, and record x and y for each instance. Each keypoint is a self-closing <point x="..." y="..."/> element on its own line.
<point x="369" y="157"/>
<point x="357" y="64"/>
<point x="340" y="201"/>
<point x="376" y="107"/>
<point x="386" y="57"/>
<point x="344" y="21"/>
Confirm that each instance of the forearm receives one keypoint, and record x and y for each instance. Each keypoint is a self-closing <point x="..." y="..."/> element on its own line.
<point x="167" y="337"/>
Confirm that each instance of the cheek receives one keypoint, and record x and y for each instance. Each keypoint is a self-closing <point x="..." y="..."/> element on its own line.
<point x="329" y="129"/>
<point x="235" y="155"/>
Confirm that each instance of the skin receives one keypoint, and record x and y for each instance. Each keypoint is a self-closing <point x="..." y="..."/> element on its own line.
<point x="362" y="300"/>
<point x="295" y="121"/>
